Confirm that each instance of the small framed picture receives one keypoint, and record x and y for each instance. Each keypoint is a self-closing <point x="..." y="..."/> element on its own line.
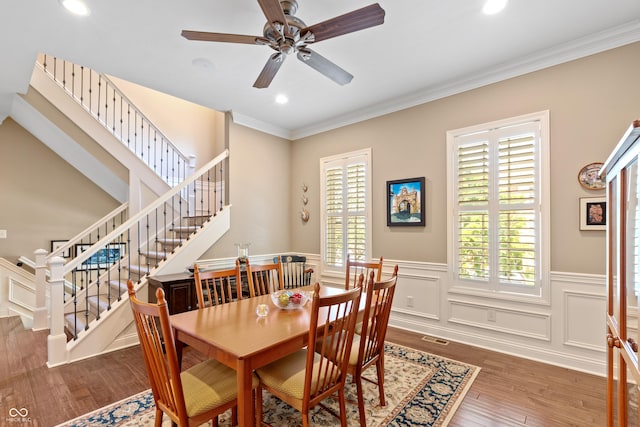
<point x="57" y="244"/>
<point x="589" y="177"/>
<point x="593" y="213"/>
<point x="405" y="202"/>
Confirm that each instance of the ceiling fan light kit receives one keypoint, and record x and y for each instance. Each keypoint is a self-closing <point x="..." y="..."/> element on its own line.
<point x="77" y="7"/>
<point x="287" y="34"/>
<point x="491" y="7"/>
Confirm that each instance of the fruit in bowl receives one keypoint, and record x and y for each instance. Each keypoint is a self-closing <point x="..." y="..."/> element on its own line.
<point x="289" y="300"/>
<point x="283" y="299"/>
<point x="296" y="298"/>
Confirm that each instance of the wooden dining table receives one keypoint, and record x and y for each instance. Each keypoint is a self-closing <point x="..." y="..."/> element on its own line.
<point x="235" y="335"/>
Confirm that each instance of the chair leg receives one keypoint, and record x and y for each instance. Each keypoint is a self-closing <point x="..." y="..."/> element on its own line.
<point x="343" y="407"/>
<point x="380" y="371"/>
<point x="258" y="410"/>
<point x="214" y="421"/>
<point x="305" y="419"/>
<point x="159" y="414"/>
<point x="357" y="378"/>
<point x="234" y="416"/>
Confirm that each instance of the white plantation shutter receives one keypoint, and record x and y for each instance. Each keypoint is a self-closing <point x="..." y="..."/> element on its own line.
<point x="473" y="210"/>
<point x="356" y="237"/>
<point x="345" y="194"/>
<point x="496" y="202"/>
<point x="517" y="205"/>
<point x="334" y="201"/>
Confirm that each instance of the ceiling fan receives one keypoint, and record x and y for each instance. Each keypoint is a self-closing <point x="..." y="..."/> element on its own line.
<point x="287" y="34"/>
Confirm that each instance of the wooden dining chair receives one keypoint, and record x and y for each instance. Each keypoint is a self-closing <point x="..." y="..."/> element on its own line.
<point x="264" y="279"/>
<point x="305" y="378"/>
<point x="294" y="270"/>
<point x="191" y="397"/>
<point x="368" y="348"/>
<point x="217" y="286"/>
<point x="355" y="268"/>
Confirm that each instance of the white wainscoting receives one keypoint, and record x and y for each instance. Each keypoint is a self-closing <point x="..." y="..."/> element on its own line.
<point x="568" y="332"/>
<point x="17" y="291"/>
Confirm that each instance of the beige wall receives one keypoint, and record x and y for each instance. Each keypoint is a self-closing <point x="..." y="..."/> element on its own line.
<point x="190" y="127"/>
<point x="259" y="194"/>
<point x="43" y="198"/>
<point x="591" y="103"/>
<point x="48" y="110"/>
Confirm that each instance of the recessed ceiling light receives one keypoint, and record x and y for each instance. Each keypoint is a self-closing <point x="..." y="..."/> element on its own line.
<point x="77" y="7"/>
<point x="494" y="6"/>
<point x="202" y="63"/>
<point x="282" y="99"/>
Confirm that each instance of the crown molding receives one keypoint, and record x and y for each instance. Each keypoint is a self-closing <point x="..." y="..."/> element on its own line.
<point x="576" y="49"/>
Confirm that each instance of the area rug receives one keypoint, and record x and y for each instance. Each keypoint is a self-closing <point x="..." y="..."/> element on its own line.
<point x="421" y="389"/>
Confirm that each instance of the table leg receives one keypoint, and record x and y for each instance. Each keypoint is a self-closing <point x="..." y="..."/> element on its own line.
<point x="245" y="395"/>
<point x="179" y="347"/>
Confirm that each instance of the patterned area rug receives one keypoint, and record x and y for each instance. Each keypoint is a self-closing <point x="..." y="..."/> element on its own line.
<point x="421" y="390"/>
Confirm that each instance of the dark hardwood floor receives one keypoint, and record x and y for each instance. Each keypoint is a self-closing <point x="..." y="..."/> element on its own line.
<point x="508" y="391"/>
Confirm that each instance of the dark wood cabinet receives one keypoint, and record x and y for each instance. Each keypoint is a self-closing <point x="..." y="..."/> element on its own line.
<point x="179" y="291"/>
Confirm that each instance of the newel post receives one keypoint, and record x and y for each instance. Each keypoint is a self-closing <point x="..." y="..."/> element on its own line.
<point x="57" y="340"/>
<point x="40" y="312"/>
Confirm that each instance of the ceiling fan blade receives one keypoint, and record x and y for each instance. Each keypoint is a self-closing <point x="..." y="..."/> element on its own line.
<point x="219" y="37"/>
<point x="269" y="71"/>
<point x="368" y="16"/>
<point x="324" y="66"/>
<point x="273" y="12"/>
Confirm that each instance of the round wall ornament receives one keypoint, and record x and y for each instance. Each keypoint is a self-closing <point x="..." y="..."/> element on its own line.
<point x="589" y="177"/>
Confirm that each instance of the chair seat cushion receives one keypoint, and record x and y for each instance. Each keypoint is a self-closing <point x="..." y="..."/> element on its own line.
<point x="287" y="375"/>
<point x="355" y="349"/>
<point x="208" y="385"/>
<point x="359" y="328"/>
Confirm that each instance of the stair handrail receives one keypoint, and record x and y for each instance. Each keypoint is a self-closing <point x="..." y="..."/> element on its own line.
<point x="172" y="151"/>
<point x="78" y="260"/>
<point x="78" y="238"/>
<point x="128" y="252"/>
<point x="42" y="260"/>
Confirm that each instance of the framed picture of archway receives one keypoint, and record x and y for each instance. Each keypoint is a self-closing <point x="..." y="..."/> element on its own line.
<point x="405" y="202"/>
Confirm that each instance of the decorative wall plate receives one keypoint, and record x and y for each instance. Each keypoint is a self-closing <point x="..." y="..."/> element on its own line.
<point x="589" y="177"/>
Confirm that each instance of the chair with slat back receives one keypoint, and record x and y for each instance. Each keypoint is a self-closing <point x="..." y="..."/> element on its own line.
<point x="264" y="279"/>
<point x="191" y="397"/>
<point x="217" y="286"/>
<point x="305" y="378"/>
<point x="355" y="268"/>
<point x="294" y="270"/>
<point x="368" y="348"/>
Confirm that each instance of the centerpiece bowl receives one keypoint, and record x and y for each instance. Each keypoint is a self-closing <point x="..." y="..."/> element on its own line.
<point x="290" y="299"/>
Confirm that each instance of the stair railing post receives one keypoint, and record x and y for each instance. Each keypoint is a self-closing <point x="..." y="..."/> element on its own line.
<point x="57" y="340"/>
<point x="40" y="312"/>
<point x="191" y="168"/>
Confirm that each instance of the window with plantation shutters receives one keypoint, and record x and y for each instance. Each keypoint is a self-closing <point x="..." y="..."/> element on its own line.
<point x="498" y="192"/>
<point x="345" y="214"/>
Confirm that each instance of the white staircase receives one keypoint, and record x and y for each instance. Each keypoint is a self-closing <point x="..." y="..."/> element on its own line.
<point x="114" y="328"/>
<point x="89" y="309"/>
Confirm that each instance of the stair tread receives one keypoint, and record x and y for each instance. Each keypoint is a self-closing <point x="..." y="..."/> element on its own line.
<point x="170" y="241"/>
<point x="185" y="227"/>
<point x="155" y="254"/>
